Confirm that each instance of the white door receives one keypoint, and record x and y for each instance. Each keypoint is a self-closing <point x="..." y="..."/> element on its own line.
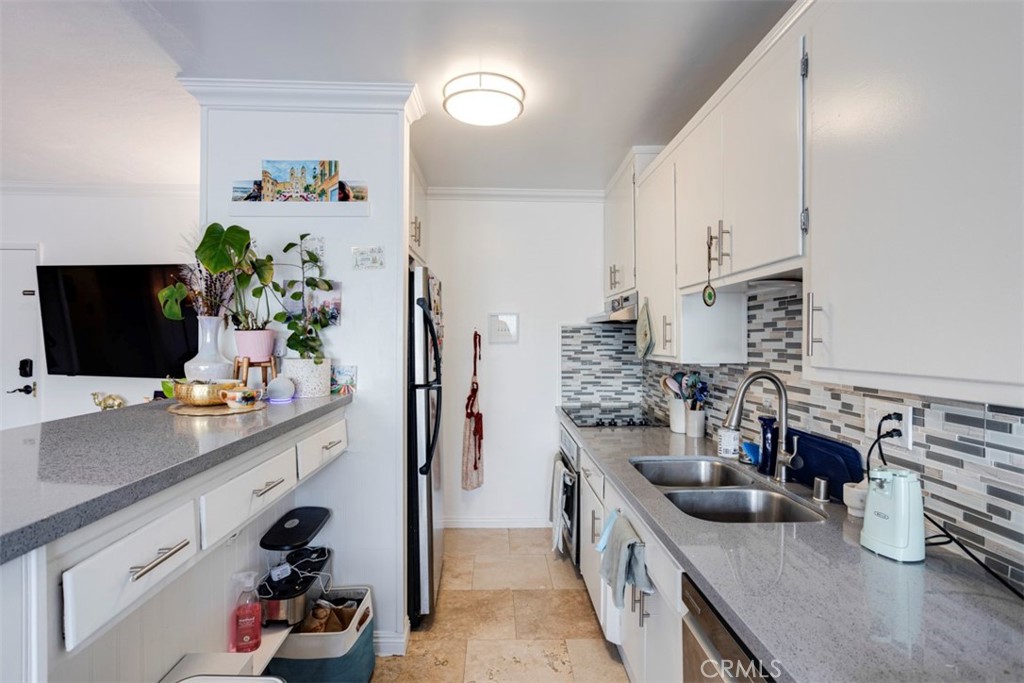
<point x="619" y="235"/>
<point x="699" y="200"/>
<point x="19" y="338"/>
<point x="655" y="255"/>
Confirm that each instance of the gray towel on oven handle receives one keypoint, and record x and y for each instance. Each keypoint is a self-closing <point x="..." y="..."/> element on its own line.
<point x="557" y="504"/>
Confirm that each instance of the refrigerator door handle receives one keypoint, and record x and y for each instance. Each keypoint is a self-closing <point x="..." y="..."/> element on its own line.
<point x="434" y="385"/>
<point x="432" y="443"/>
<point x="422" y="303"/>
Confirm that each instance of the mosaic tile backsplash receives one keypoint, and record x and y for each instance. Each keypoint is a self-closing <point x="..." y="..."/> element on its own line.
<point x="599" y="365"/>
<point x="970" y="455"/>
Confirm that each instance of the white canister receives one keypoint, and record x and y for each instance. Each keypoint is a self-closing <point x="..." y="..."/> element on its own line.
<point x="677" y="415"/>
<point x="695" y="421"/>
<point x="728" y="443"/>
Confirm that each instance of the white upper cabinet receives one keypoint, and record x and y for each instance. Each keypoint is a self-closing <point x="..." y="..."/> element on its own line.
<point x="620" y="223"/>
<point x="699" y="200"/>
<point x="655" y="255"/>
<point x="417" y="214"/>
<point x="915" y="195"/>
<point x="739" y="171"/>
<point x="762" y="149"/>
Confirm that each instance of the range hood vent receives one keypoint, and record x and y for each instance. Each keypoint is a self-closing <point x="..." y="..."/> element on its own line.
<point x="621" y="309"/>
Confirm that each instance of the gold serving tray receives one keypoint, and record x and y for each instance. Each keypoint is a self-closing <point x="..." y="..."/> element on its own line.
<point x="222" y="409"/>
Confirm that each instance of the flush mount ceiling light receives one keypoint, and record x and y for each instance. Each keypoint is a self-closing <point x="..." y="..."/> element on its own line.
<point x="483" y="99"/>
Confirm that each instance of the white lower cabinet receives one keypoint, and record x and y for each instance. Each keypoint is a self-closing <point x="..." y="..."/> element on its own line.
<point x="650" y="627"/>
<point x="229" y="505"/>
<point x="100" y="587"/>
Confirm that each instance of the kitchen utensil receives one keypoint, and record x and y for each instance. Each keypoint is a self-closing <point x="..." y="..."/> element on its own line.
<point x="286" y="599"/>
<point x="674" y="387"/>
<point x="666" y="388"/>
<point x="894" y="515"/>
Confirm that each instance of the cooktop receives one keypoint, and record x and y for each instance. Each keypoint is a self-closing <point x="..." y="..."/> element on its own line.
<point x="607" y="415"/>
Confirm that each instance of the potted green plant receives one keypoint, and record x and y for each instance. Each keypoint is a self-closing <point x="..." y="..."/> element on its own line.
<point x="305" y="319"/>
<point x="231" y="250"/>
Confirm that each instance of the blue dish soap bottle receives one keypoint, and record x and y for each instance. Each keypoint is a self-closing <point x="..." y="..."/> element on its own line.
<point x="769" y="445"/>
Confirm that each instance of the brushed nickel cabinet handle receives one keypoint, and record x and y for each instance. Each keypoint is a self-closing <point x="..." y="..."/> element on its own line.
<point x="721" y="242"/>
<point x="690" y="602"/>
<point x="635" y="600"/>
<point x="665" y="327"/>
<point x="329" y="446"/>
<point x="162" y="555"/>
<point x="644" y="614"/>
<point x="811" y="310"/>
<point x="267" y="488"/>
<point x="593" y="526"/>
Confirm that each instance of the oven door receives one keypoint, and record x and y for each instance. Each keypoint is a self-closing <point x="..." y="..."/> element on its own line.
<point x="570" y="510"/>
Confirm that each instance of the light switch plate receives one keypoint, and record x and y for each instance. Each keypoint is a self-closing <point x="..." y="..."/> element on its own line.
<point x="503" y="328"/>
<point x="875" y="408"/>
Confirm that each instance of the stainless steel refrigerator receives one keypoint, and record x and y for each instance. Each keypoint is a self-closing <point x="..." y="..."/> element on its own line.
<point x="425" y="527"/>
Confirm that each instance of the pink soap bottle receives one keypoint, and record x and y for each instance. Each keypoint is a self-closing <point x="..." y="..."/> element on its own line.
<point x="246" y="621"/>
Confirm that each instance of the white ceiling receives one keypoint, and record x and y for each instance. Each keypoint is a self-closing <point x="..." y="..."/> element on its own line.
<point x="89" y="93"/>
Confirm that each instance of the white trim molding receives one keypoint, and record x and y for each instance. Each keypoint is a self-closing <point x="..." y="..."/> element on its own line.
<point x="391" y="643"/>
<point x="262" y="95"/>
<point x="21" y="187"/>
<point x="503" y="194"/>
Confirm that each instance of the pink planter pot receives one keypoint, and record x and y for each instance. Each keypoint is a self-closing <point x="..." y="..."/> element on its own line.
<point x="258" y="345"/>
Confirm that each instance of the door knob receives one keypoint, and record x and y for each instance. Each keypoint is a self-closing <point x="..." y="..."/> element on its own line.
<point x="27" y="389"/>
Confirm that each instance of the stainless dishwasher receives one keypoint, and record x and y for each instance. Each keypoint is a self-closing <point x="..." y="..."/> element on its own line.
<point x="711" y="654"/>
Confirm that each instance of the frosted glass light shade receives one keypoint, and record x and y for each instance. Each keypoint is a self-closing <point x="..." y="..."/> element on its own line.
<point x="483" y="99"/>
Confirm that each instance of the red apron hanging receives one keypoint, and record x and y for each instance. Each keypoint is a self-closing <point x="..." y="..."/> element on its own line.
<point x="473" y="433"/>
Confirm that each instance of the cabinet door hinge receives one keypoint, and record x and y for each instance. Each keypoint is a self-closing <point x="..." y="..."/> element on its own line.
<point x="804" y="65"/>
<point x="805" y="220"/>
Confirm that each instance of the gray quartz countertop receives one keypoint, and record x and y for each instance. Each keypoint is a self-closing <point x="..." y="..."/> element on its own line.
<point x="56" y="477"/>
<point x="809" y="598"/>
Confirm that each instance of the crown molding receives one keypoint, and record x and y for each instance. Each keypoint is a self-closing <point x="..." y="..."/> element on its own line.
<point x="228" y="93"/>
<point x="97" y="189"/>
<point x="502" y="194"/>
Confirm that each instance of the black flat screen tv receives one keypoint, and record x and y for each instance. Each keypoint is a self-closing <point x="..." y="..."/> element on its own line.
<point x="106" y="321"/>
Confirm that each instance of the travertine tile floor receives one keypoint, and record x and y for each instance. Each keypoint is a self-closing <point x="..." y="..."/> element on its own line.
<point x="509" y="610"/>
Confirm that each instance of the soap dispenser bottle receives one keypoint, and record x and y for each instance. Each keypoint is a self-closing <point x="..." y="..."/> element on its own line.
<point x="246" y="621"/>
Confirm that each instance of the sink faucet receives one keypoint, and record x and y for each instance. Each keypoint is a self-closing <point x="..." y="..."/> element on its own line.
<point x="735" y="414"/>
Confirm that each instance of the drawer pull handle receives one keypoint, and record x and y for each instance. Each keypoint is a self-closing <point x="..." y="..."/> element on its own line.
<point x="162" y="555"/>
<point x="644" y="614"/>
<point x="329" y="446"/>
<point x="267" y="488"/>
<point x="691" y="603"/>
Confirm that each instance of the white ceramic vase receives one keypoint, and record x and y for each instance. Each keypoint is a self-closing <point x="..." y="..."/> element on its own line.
<point x="310" y="378"/>
<point x="209" y="363"/>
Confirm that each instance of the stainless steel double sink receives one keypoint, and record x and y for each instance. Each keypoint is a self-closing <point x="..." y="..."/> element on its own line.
<point x="715" y="491"/>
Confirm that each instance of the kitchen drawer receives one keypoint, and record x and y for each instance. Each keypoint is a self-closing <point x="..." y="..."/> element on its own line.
<point x="592" y="474"/>
<point x="100" y="587"/>
<point x="226" y="507"/>
<point x="322" y="447"/>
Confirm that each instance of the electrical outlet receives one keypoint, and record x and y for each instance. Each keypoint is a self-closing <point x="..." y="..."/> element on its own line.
<point x="875" y="408"/>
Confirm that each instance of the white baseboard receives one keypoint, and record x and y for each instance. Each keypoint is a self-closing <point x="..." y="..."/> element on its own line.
<point x="496" y="522"/>
<point x="391" y="643"/>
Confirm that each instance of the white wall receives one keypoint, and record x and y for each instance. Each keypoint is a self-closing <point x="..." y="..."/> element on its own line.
<point x="76" y="226"/>
<point x="543" y="261"/>
<point x="366" y="488"/>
